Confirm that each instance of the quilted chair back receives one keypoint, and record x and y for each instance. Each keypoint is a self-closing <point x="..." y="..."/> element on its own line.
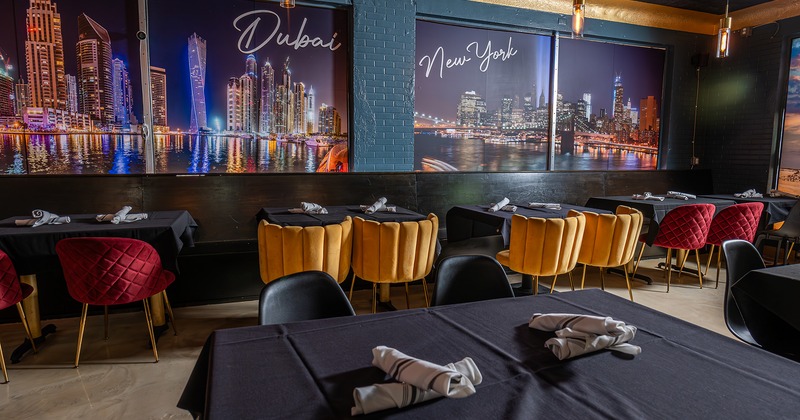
<point x="609" y="240"/>
<point x="111" y="271"/>
<point x="284" y="250"/>
<point x="394" y="252"/>
<point x="10" y="291"/>
<point x="685" y="227"/>
<point x="739" y="221"/>
<point x="544" y="247"/>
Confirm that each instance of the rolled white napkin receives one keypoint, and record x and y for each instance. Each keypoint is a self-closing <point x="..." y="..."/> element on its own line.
<point x="508" y="207"/>
<point x="43" y="217"/>
<point x="387" y="209"/>
<point x="377" y="397"/>
<point x="551" y="206"/>
<point x="122" y="216"/>
<point x="751" y="193"/>
<point x="422" y="374"/>
<point x="647" y="196"/>
<point x="309" y="208"/>
<point x="502" y="203"/>
<point x="581" y="334"/>
<point x="381" y="203"/>
<point x="680" y="196"/>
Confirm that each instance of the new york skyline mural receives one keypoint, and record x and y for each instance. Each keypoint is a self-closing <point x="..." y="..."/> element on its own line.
<point x="789" y="175"/>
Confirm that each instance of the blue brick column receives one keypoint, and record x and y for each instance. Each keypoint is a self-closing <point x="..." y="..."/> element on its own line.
<point x="383" y="85"/>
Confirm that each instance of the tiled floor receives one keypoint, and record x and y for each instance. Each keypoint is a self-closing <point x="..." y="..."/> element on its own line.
<point x="117" y="379"/>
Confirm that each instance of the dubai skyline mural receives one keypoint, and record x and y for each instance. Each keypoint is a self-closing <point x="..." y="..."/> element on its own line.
<point x="789" y="175"/>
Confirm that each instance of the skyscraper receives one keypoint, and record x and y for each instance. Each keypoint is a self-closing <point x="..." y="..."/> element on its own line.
<point x="234" y="105"/>
<point x="587" y="97"/>
<point x="123" y="93"/>
<point x="283" y="96"/>
<point x="299" y="108"/>
<point x="197" y="79"/>
<point x="249" y="101"/>
<point x="158" y="87"/>
<point x="44" y="56"/>
<point x="471" y="107"/>
<point x="266" y="121"/>
<point x="311" y="115"/>
<point x="7" y="107"/>
<point x="251" y="66"/>
<point x="619" y="114"/>
<point x="95" y="81"/>
<point x="72" y="93"/>
<point x="21" y="95"/>
<point x="648" y="114"/>
<point x="329" y="120"/>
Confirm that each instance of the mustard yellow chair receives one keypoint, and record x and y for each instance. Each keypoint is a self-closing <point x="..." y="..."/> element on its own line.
<point x="544" y="247"/>
<point x="394" y="252"/>
<point x="609" y="240"/>
<point x="284" y="250"/>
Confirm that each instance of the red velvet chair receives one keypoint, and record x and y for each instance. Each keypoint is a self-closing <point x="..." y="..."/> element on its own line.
<point x="113" y="271"/>
<point x="739" y="221"/>
<point x="11" y="293"/>
<point x="686" y="228"/>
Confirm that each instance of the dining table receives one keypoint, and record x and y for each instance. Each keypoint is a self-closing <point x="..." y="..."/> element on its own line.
<point x="33" y="249"/>
<point x="310" y="369"/>
<point x="773" y="291"/>
<point x="335" y="214"/>
<point x="776" y="209"/>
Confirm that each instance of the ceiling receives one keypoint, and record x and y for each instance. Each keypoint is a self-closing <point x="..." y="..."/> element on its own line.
<point x="716" y="7"/>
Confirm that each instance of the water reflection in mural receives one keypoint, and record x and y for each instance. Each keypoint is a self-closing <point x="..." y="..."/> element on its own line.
<point x="124" y="154"/>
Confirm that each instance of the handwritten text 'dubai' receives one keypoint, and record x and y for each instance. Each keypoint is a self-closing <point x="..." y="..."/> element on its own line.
<point x="486" y="55"/>
<point x="301" y="40"/>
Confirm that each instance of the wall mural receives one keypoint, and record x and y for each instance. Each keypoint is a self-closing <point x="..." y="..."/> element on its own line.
<point x="236" y="86"/>
<point x="789" y="177"/>
<point x="483" y="97"/>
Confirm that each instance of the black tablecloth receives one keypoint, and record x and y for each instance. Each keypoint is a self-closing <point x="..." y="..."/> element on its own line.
<point x="777" y="208"/>
<point x="309" y="369"/>
<point x="281" y="216"/>
<point x="775" y="289"/>
<point x="167" y="231"/>
<point x="464" y="222"/>
<point x="653" y="209"/>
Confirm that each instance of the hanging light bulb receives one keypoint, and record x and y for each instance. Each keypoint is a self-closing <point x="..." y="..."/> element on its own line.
<point x="578" y="15"/>
<point x="289" y="4"/>
<point x="724" y="35"/>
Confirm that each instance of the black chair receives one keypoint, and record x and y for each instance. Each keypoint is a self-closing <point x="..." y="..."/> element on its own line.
<point x="747" y="319"/>
<point x="302" y="296"/>
<point x="469" y="278"/>
<point x="787" y="236"/>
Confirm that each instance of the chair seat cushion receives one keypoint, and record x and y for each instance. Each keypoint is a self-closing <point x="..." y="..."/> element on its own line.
<point x="503" y="257"/>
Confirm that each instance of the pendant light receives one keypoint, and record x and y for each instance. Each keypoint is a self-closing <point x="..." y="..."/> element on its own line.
<point x="578" y="15"/>
<point x="724" y="35"/>
<point x="288" y="4"/>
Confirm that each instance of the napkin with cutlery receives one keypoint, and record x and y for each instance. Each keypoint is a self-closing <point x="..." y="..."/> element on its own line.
<point x="581" y="334"/>
<point x="379" y="205"/>
<point x="551" y="206"/>
<point x="43" y="217"/>
<point x="647" y="196"/>
<point x="309" y="208"/>
<point x="751" y="193"/>
<point x="499" y="205"/>
<point x="122" y="216"/>
<point x="680" y="195"/>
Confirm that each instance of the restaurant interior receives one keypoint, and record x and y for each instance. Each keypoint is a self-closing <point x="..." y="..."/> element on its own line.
<point x="722" y="128"/>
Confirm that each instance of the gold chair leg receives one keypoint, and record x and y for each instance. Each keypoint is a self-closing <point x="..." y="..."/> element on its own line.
<point x="81" y="327"/>
<point x="602" y="279"/>
<point x="708" y="263"/>
<point x="26" y="326"/>
<point x="169" y="311"/>
<point x="408" y="302"/>
<point x="669" y="267"/>
<point x="699" y="274"/>
<point x="149" y="320"/>
<point x="425" y="292"/>
<point x="3" y="365"/>
<point x="638" y="260"/>
<point x="719" y="260"/>
<point x="571" y="284"/>
<point x="628" y="282"/>
<point x="683" y="262"/>
<point x="352" y="283"/>
<point x="105" y="320"/>
<point x="553" y="286"/>
<point x="374" y="298"/>
<point x="535" y="285"/>
<point x="583" y="276"/>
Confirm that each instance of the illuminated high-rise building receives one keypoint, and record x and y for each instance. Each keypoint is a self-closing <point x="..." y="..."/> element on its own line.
<point x="311" y="115"/>
<point x="44" y="56"/>
<point x="72" y="93"/>
<point x="123" y="93"/>
<point x="506" y="108"/>
<point x="299" y="108"/>
<point x="587" y="97"/>
<point x="283" y="101"/>
<point x="21" y="95"/>
<point x="267" y="99"/>
<point x="648" y="114"/>
<point x="619" y="114"/>
<point x="251" y="66"/>
<point x="197" y="80"/>
<point x="234" y="104"/>
<point x="95" y="81"/>
<point x="471" y="108"/>
<point x="7" y="106"/>
<point x="249" y="87"/>
<point x="330" y="122"/>
<point x="158" y="87"/>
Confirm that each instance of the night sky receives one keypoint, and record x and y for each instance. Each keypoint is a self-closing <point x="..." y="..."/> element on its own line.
<point x="584" y="66"/>
<point x="172" y="22"/>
